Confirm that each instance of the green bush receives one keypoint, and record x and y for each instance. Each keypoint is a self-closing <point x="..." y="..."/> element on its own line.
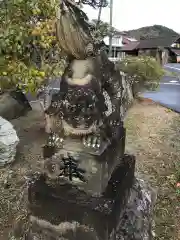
<point x="142" y="71"/>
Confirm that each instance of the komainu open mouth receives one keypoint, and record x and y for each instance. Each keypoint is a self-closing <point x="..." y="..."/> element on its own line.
<point x="81" y="130"/>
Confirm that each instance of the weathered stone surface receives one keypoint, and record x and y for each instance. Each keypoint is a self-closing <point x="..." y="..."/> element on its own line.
<point x="127" y="95"/>
<point x="8" y="142"/>
<point x="51" y="206"/>
<point x="44" y="230"/>
<point x="138" y="217"/>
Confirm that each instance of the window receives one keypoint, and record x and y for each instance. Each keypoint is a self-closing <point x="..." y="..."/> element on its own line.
<point x="115" y="41"/>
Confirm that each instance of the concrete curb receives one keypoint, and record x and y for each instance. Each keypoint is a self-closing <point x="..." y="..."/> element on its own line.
<point x="145" y="99"/>
<point x="150" y="101"/>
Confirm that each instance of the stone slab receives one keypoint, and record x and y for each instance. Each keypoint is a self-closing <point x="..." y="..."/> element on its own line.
<point x="55" y="205"/>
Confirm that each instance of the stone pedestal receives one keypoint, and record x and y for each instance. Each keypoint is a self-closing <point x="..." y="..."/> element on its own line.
<point x="51" y="205"/>
<point x="82" y="193"/>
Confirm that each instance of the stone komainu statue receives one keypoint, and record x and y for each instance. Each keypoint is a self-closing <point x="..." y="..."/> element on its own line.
<point x="91" y="88"/>
<point x="84" y="185"/>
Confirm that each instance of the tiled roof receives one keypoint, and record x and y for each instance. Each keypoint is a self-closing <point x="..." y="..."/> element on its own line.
<point x="127" y="40"/>
<point x="176" y="51"/>
<point x="130" y="47"/>
<point x="157" y="42"/>
<point x="150" y="43"/>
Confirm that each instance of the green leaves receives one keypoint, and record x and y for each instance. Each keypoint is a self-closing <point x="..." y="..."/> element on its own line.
<point x="144" y="71"/>
<point x="102" y="30"/>
<point x="27" y="27"/>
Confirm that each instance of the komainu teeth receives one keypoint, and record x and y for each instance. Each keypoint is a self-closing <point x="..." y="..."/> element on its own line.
<point x="68" y="130"/>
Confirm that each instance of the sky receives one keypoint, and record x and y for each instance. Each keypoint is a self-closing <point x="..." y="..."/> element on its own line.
<point x="133" y="14"/>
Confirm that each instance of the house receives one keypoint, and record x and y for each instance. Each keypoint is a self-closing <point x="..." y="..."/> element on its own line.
<point x="119" y="39"/>
<point x="177" y="54"/>
<point x="163" y="49"/>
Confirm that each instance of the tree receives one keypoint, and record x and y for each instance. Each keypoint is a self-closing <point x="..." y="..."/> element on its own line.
<point x="95" y="3"/>
<point x="142" y="71"/>
<point x="102" y="29"/>
<point x="28" y="42"/>
<point x="26" y="39"/>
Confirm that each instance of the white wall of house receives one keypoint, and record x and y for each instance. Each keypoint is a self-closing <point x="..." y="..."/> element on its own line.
<point x="116" y="41"/>
<point x="175" y="45"/>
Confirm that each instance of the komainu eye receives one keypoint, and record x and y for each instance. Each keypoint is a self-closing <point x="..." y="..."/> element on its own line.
<point x="73" y="108"/>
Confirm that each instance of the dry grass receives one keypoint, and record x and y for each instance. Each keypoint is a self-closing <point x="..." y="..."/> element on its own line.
<point x="13" y="177"/>
<point x="152" y="135"/>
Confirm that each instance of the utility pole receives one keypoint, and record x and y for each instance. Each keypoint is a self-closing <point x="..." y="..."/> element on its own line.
<point x="99" y="15"/>
<point x="110" y="24"/>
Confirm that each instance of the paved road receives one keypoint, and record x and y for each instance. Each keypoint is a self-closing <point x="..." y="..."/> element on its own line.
<point x="168" y="93"/>
<point x="173" y="67"/>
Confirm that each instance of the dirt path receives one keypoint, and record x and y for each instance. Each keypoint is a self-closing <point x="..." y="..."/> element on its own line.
<point x="153" y="135"/>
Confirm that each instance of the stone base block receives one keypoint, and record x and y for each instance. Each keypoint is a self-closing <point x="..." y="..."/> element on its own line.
<point x="65" y="212"/>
